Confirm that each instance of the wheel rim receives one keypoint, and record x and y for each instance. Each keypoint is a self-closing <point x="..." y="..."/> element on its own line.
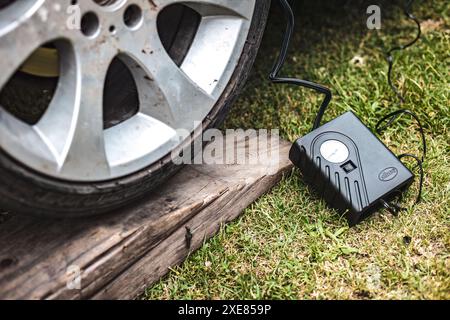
<point x="69" y="141"/>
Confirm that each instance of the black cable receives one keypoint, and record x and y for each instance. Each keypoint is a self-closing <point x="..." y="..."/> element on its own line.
<point x="390" y="58"/>
<point x="395" y="115"/>
<point x="299" y="82"/>
<point x="391" y="207"/>
<point x="391" y="117"/>
<point x="420" y="165"/>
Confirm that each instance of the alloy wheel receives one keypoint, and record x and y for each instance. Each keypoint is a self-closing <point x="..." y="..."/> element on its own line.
<point x="70" y="141"/>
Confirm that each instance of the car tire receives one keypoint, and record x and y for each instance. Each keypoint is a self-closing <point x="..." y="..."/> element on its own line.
<point x="24" y="190"/>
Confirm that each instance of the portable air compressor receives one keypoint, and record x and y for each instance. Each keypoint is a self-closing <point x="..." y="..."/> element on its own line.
<point x="349" y="167"/>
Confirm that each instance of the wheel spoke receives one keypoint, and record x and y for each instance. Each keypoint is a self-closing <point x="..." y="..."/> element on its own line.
<point x="215" y="7"/>
<point x="165" y="91"/>
<point x="140" y="139"/>
<point x="57" y="122"/>
<point x="73" y="124"/>
<point x="23" y="141"/>
<point x="86" y="151"/>
<point x="24" y="26"/>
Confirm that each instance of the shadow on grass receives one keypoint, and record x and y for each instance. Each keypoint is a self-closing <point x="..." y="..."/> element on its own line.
<point x="323" y="28"/>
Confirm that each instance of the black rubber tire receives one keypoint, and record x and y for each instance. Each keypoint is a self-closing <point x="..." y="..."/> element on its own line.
<point x="23" y="190"/>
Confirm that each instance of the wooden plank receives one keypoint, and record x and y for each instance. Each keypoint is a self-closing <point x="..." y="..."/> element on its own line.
<point x="122" y="253"/>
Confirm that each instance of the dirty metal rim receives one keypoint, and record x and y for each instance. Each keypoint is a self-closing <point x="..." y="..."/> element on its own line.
<point x="69" y="141"/>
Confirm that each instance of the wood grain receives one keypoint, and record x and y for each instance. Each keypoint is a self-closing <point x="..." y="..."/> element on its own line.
<point x="122" y="253"/>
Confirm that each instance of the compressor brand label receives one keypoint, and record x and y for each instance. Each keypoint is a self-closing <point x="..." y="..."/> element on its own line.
<point x="388" y="174"/>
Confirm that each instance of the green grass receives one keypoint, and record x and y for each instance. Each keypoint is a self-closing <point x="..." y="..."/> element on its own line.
<point x="289" y="245"/>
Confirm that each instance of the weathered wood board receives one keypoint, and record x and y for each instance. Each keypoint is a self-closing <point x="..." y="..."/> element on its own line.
<point x="118" y="255"/>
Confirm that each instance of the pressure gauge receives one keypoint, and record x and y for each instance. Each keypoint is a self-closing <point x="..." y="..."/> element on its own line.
<point x="334" y="151"/>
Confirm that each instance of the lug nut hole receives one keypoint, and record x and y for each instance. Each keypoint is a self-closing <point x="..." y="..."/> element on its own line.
<point x="132" y="16"/>
<point x="90" y="24"/>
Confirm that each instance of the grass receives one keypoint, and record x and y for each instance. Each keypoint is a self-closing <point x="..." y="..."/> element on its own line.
<point x="289" y="245"/>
